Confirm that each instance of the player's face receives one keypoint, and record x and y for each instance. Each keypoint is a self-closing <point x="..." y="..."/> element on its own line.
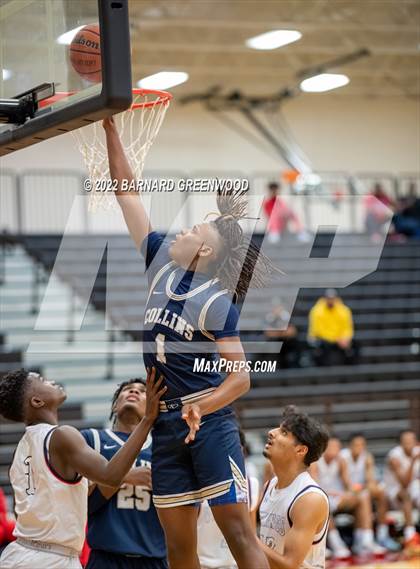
<point x="201" y="240"/>
<point x="408" y="442"/>
<point x="332" y="450"/>
<point x="357" y="446"/>
<point x="132" y="398"/>
<point x="282" y="447"/>
<point x="43" y="392"/>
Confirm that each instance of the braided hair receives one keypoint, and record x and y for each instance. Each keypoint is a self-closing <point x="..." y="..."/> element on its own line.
<point x="241" y="264"/>
<point x="117" y="393"/>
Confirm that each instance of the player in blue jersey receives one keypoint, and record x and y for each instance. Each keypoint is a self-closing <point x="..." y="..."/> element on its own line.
<point x="123" y="527"/>
<point x="190" y="315"/>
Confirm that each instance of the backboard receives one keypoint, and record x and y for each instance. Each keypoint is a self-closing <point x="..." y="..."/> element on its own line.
<point x="35" y="38"/>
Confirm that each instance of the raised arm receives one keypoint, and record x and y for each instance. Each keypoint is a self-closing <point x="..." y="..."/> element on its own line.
<point x="308" y="515"/>
<point x="71" y="455"/>
<point x="138" y="476"/>
<point x="236" y="384"/>
<point x="132" y="207"/>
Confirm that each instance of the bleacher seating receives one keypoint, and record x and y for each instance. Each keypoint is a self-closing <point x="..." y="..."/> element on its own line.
<point x="379" y="395"/>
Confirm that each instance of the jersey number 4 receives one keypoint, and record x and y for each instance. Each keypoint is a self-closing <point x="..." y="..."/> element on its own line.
<point x="130" y="497"/>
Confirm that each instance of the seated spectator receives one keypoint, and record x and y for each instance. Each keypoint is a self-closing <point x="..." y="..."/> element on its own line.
<point x="407" y="219"/>
<point x="402" y="481"/>
<point x="331" y="331"/>
<point x="333" y="476"/>
<point x="408" y="199"/>
<point x="7" y="524"/>
<point x="280" y="216"/>
<point x="278" y="328"/>
<point x="379" y="209"/>
<point x="361" y="468"/>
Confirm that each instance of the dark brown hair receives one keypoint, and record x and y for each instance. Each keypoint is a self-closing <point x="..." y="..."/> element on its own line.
<point x="241" y="264"/>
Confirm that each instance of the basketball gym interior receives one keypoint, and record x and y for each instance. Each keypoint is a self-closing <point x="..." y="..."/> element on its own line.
<point x="243" y="110"/>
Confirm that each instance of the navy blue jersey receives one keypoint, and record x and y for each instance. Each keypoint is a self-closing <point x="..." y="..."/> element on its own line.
<point x="186" y="312"/>
<point x="127" y="523"/>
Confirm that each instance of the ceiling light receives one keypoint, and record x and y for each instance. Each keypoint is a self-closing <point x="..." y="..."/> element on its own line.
<point x="273" y="39"/>
<point x="6" y="74"/>
<point x="163" y="80"/>
<point x="66" y="38"/>
<point x="324" y="82"/>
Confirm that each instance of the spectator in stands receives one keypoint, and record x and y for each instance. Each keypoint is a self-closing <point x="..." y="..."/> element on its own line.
<point x="361" y="468"/>
<point x="7" y="524"/>
<point x="280" y="216"/>
<point x="331" y="330"/>
<point x="379" y="208"/>
<point x="402" y="481"/>
<point x="332" y="473"/>
<point x="407" y="219"/>
<point x="279" y="329"/>
<point x="409" y="198"/>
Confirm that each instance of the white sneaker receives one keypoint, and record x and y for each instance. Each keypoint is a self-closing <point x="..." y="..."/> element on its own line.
<point x="371" y="548"/>
<point x="377" y="549"/>
<point x="341" y="553"/>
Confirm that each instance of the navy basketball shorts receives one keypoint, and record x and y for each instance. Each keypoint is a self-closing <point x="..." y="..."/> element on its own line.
<point x="105" y="560"/>
<point x="210" y="468"/>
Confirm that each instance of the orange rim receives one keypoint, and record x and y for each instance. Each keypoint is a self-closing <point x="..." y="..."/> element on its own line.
<point x="162" y="98"/>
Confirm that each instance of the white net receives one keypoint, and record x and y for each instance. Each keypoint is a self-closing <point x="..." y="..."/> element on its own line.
<point x="138" y="127"/>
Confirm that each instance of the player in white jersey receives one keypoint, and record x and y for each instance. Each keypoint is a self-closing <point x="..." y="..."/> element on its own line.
<point x="212" y="548"/>
<point x="361" y="468"/>
<point x="294" y="511"/>
<point x="49" y="469"/>
<point x="331" y="471"/>
<point x="402" y="481"/>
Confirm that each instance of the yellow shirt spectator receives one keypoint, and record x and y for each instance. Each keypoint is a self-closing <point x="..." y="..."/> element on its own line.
<point x="330" y="321"/>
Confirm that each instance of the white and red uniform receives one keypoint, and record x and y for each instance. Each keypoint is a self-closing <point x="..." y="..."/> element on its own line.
<point x="212" y="549"/>
<point x="392" y="484"/>
<point x="357" y="468"/>
<point x="330" y="480"/>
<point x="51" y="512"/>
<point x="275" y="515"/>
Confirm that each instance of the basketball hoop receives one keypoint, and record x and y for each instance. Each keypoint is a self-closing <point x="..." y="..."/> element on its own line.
<point x="138" y="127"/>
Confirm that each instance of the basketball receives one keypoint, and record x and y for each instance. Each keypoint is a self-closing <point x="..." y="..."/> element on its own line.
<point x="85" y="53"/>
